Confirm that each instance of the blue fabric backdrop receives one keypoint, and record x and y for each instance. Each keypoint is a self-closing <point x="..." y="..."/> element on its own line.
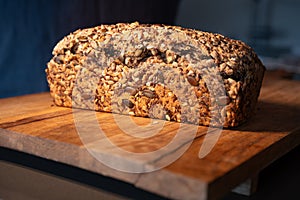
<point x="29" y="29"/>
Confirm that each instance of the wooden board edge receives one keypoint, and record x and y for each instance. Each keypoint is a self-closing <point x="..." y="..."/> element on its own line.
<point x="79" y="157"/>
<point x="186" y="187"/>
<point x="60" y="152"/>
<point x="223" y="185"/>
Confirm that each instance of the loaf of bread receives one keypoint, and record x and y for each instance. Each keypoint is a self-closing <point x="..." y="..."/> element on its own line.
<point x="157" y="71"/>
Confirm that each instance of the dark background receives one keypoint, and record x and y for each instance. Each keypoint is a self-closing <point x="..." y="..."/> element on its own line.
<point x="29" y="29"/>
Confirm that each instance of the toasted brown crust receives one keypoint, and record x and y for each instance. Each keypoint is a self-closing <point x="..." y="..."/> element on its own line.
<point x="239" y="67"/>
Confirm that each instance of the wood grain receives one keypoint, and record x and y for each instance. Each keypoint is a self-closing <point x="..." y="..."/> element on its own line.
<point x="31" y="124"/>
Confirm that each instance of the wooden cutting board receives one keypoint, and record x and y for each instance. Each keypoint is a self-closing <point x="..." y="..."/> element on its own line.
<point x="32" y="124"/>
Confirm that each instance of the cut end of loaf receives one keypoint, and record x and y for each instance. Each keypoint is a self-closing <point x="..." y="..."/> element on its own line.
<point x="155" y="76"/>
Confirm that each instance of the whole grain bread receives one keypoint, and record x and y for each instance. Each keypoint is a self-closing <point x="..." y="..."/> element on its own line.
<point x="158" y="71"/>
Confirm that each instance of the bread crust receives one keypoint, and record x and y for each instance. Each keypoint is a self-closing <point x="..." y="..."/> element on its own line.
<point x="126" y="85"/>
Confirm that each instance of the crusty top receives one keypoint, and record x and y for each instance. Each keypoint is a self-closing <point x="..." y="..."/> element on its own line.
<point x="233" y="57"/>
